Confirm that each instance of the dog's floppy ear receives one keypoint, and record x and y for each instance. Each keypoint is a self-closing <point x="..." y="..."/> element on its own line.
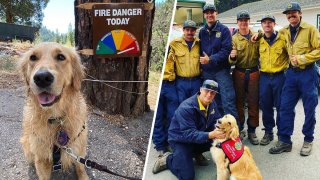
<point x="23" y="67"/>
<point x="78" y="71"/>
<point x="234" y="133"/>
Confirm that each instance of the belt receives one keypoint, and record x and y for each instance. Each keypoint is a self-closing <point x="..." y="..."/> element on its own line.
<point x="250" y="70"/>
<point x="271" y="74"/>
<point x="297" y="69"/>
<point x="188" y="78"/>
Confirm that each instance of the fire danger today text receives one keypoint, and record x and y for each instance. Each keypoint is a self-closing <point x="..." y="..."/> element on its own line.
<point x="113" y="13"/>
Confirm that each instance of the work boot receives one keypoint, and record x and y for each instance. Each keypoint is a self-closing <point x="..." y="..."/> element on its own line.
<point x="306" y="149"/>
<point x="201" y="160"/>
<point x="280" y="148"/>
<point x="161" y="163"/>
<point x="267" y="138"/>
<point x="253" y="138"/>
<point x="243" y="134"/>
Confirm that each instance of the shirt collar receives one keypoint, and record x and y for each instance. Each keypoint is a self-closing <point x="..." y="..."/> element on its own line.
<point x="213" y="26"/>
<point x="272" y="37"/>
<point x="302" y="24"/>
<point x="183" y="41"/>
<point x="295" y="28"/>
<point x="201" y="107"/>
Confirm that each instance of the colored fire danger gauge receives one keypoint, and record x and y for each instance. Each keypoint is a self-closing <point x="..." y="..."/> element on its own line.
<point x="118" y="42"/>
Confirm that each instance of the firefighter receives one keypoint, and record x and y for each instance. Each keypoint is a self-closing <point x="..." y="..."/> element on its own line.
<point x="301" y="80"/>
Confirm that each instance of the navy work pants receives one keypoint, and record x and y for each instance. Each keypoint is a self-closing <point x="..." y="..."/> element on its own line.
<point x="168" y="103"/>
<point x="298" y="83"/>
<point x="187" y="87"/>
<point x="180" y="162"/>
<point x="270" y="95"/>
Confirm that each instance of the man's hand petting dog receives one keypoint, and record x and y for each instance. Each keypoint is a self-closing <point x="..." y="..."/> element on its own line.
<point x="216" y="134"/>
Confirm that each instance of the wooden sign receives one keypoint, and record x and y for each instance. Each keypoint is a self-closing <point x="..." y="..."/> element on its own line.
<point x="118" y="30"/>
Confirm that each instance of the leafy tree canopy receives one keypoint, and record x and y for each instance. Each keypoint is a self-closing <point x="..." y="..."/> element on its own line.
<point x="25" y="12"/>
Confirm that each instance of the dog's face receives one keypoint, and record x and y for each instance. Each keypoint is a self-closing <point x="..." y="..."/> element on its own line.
<point x="49" y="69"/>
<point x="228" y="125"/>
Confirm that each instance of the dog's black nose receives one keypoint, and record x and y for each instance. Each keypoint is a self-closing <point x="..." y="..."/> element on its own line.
<point x="219" y="121"/>
<point x="43" y="78"/>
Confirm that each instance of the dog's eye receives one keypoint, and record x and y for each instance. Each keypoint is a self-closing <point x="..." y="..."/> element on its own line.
<point x="61" y="57"/>
<point x="33" y="58"/>
<point x="229" y="123"/>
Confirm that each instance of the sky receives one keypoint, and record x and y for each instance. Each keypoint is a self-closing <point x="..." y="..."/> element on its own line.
<point x="60" y="13"/>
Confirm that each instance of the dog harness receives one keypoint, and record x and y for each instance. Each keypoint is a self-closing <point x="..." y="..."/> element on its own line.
<point x="62" y="140"/>
<point x="232" y="149"/>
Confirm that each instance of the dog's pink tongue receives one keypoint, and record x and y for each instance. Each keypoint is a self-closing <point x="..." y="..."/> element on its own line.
<point x="46" y="98"/>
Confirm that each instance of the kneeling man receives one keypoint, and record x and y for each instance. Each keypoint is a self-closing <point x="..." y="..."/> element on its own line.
<point x="191" y="132"/>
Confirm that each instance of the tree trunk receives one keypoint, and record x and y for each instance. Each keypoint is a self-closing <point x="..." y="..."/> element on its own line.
<point x="109" y="97"/>
<point x="8" y="12"/>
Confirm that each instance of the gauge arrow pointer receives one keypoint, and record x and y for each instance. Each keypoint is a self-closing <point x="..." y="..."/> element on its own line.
<point x="126" y="50"/>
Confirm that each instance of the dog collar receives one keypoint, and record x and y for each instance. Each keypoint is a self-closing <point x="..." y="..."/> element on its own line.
<point x="233" y="149"/>
<point x="56" y="120"/>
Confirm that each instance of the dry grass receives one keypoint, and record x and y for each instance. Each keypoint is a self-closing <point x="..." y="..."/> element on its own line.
<point x="10" y="53"/>
<point x="154" y="80"/>
<point x="7" y="63"/>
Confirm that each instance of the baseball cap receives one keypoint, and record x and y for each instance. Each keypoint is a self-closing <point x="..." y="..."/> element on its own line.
<point x="208" y="7"/>
<point x="292" y="6"/>
<point x="268" y="16"/>
<point x="243" y="15"/>
<point x="189" y="24"/>
<point x="210" y="85"/>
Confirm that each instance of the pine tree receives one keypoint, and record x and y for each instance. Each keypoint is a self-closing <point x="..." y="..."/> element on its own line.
<point x="70" y="36"/>
<point x="26" y="12"/>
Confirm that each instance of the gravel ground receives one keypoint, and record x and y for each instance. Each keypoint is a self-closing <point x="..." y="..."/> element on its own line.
<point x="115" y="141"/>
<point x="118" y="142"/>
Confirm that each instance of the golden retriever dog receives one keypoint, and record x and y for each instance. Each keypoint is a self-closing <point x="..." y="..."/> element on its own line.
<point x="243" y="168"/>
<point x="53" y="76"/>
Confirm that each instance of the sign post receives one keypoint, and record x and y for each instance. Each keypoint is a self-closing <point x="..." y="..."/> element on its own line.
<point x="118" y="30"/>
